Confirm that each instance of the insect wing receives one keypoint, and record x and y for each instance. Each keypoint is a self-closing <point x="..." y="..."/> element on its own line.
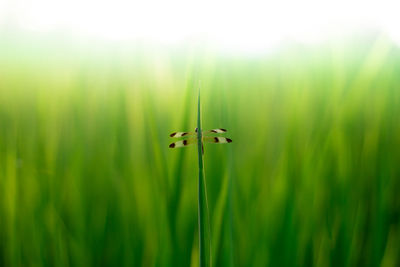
<point x="217" y="140"/>
<point x="183" y="143"/>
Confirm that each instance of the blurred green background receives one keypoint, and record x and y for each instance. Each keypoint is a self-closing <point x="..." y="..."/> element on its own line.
<point x="87" y="178"/>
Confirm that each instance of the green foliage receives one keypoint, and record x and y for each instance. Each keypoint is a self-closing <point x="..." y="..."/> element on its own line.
<point x="203" y="211"/>
<point x="87" y="178"/>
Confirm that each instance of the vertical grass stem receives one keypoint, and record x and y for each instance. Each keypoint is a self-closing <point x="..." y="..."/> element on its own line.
<point x="203" y="213"/>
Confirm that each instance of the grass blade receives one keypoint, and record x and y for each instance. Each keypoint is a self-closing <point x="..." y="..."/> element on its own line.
<point x="203" y="213"/>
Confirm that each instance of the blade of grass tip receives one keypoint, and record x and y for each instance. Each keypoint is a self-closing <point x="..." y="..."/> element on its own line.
<point x="203" y="213"/>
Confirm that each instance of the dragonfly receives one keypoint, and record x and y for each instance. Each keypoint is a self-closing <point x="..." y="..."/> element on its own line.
<point x="193" y="138"/>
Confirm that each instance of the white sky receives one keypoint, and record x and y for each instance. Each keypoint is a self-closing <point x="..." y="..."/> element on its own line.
<point x="241" y="24"/>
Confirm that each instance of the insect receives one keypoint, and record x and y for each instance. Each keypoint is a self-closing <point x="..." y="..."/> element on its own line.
<point x="193" y="138"/>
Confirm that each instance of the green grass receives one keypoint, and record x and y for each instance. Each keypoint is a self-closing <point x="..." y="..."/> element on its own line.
<point x="87" y="178"/>
<point x="203" y="211"/>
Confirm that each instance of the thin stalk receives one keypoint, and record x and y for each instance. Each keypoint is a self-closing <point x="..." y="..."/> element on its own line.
<point x="203" y="213"/>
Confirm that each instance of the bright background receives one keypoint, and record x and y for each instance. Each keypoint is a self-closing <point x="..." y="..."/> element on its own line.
<point x="240" y="25"/>
<point x="89" y="93"/>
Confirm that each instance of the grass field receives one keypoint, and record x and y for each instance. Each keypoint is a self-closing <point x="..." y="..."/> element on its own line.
<point x="311" y="178"/>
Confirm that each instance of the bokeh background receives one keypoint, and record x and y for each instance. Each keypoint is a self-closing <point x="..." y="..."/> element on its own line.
<point x="87" y="178"/>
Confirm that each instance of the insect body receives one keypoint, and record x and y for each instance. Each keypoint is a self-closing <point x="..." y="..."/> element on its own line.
<point x="193" y="138"/>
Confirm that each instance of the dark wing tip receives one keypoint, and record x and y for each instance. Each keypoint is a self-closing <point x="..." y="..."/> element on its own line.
<point x="172" y="145"/>
<point x="185" y="142"/>
<point x="229" y="140"/>
<point x="184" y="134"/>
<point x="216" y="140"/>
<point x="172" y="135"/>
<point x="222" y="129"/>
